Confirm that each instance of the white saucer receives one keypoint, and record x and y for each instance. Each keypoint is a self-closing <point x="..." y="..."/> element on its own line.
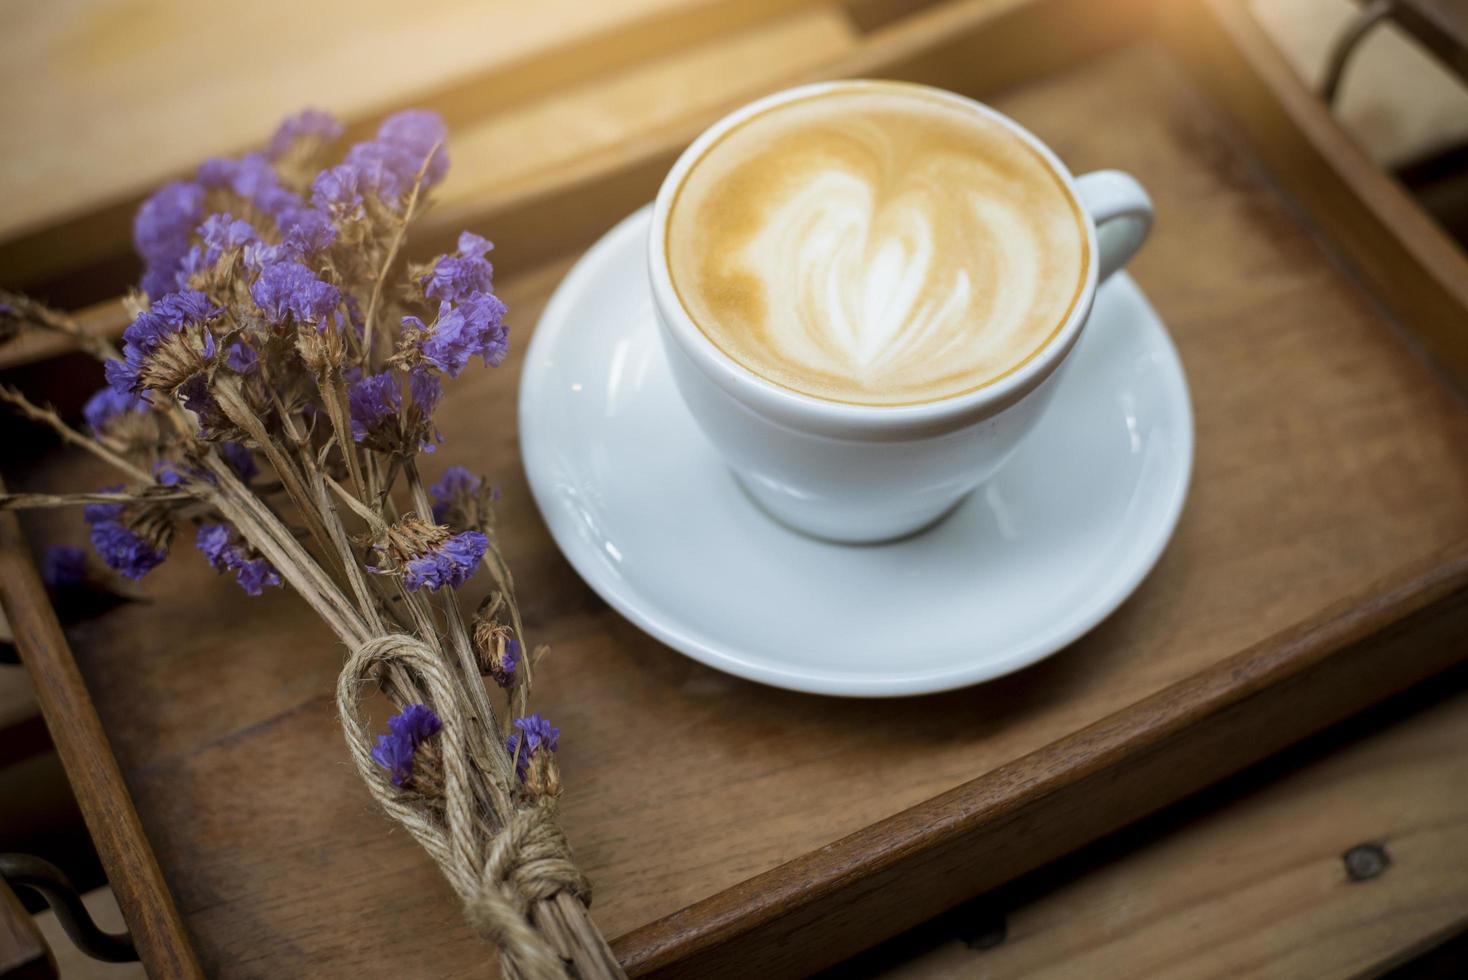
<point x="645" y="510"/>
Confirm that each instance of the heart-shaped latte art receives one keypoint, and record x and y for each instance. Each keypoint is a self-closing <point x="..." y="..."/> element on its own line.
<point x="874" y="252"/>
<point x="888" y="292"/>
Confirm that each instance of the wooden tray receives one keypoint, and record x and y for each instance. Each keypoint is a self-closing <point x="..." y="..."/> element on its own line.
<point x="734" y="830"/>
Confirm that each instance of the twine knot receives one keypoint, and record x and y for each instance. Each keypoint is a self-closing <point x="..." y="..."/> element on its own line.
<point x="502" y="855"/>
<point x="528" y="861"/>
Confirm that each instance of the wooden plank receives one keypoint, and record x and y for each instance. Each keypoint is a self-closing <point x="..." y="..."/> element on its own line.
<point x="1257" y="883"/>
<point x="523" y="148"/>
<point x="968" y="45"/>
<point x="131" y="86"/>
<point x="22" y="732"/>
<point x="516" y="146"/>
<point x="904" y="870"/>
<point x="159" y="933"/>
<point x="1390" y="242"/>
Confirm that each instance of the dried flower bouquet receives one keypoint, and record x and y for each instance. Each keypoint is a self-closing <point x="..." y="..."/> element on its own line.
<point x="273" y="393"/>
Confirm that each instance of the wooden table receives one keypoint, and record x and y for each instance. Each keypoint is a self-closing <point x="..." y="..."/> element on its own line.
<point x="1344" y="857"/>
<point x="270" y="877"/>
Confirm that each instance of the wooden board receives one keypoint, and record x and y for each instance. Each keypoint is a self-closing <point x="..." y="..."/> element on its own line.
<point x="142" y="85"/>
<point x="1256" y="884"/>
<point x="91" y="767"/>
<point x="1321" y="564"/>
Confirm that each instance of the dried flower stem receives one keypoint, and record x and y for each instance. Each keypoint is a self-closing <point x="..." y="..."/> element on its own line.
<point x="43" y="317"/>
<point x="231" y="399"/>
<point x="468" y="666"/>
<point x="49" y="418"/>
<point x="499" y="570"/>
<point x="366" y="600"/>
<point x="268" y="534"/>
<point x="368" y="335"/>
<point x="334" y="398"/>
<point x="41" y="501"/>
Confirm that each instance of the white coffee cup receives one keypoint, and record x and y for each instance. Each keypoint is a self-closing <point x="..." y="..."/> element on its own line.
<point x="866" y="473"/>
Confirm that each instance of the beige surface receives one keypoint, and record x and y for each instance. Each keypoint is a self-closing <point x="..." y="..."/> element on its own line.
<point x="72" y="963"/>
<point x="495" y="154"/>
<point x="148" y="87"/>
<point x="1395" y="98"/>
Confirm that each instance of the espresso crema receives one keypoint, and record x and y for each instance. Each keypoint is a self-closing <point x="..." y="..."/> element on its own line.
<point x="876" y="243"/>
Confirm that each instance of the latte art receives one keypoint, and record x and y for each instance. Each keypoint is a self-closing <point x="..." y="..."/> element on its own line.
<point x="876" y="244"/>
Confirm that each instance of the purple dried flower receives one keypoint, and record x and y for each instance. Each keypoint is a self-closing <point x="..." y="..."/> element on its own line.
<point x="538" y="735"/>
<point x="426" y="390"/>
<point x="307" y="232"/>
<point x="455" y="482"/>
<point x="453" y="490"/>
<point x="449" y="565"/>
<point x="194" y="262"/>
<point x="252" y="178"/>
<point x="416" y="722"/>
<point x="214" y="540"/>
<point x="167" y="345"/>
<point x="120" y="377"/>
<point x="395" y="754"/>
<point x="381" y="171"/>
<point x="417" y="133"/>
<point x="374" y="403"/>
<point x="387" y="166"/>
<point x="118" y="546"/>
<point x="108" y="404"/>
<point x="185" y="307"/>
<point x="161" y="232"/>
<point x="168" y="474"/>
<point x="238" y="458"/>
<point x="485" y="314"/>
<point x="255" y="574"/>
<point x="409" y="729"/>
<point x="511" y="660"/>
<point x="222" y="233"/>
<point x="471" y="328"/>
<point x="216" y="173"/>
<point x="457" y="277"/>
<point x="308" y="124"/>
<point x="337" y="191"/>
<point x="289" y="290"/>
<point x="64" y="567"/>
<point x="241" y="358"/>
<point x="502" y="663"/>
<point x="226" y="553"/>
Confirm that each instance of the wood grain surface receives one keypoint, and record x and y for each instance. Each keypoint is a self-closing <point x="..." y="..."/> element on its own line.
<point x="1330" y="460"/>
<point x="144" y="86"/>
<point x="91" y="767"/>
<point x="1257" y="885"/>
<point x="1392" y="243"/>
<point x="918" y="863"/>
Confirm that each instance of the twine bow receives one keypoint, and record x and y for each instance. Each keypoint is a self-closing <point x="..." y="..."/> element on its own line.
<point x="500" y="854"/>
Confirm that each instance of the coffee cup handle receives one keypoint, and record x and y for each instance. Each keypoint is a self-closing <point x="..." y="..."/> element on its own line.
<point x="1122" y="212"/>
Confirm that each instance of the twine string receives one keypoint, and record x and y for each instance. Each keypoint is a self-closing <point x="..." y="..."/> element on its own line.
<point x="499" y="864"/>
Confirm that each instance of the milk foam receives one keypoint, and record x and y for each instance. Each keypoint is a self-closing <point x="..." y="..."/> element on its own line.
<point x="876" y="244"/>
